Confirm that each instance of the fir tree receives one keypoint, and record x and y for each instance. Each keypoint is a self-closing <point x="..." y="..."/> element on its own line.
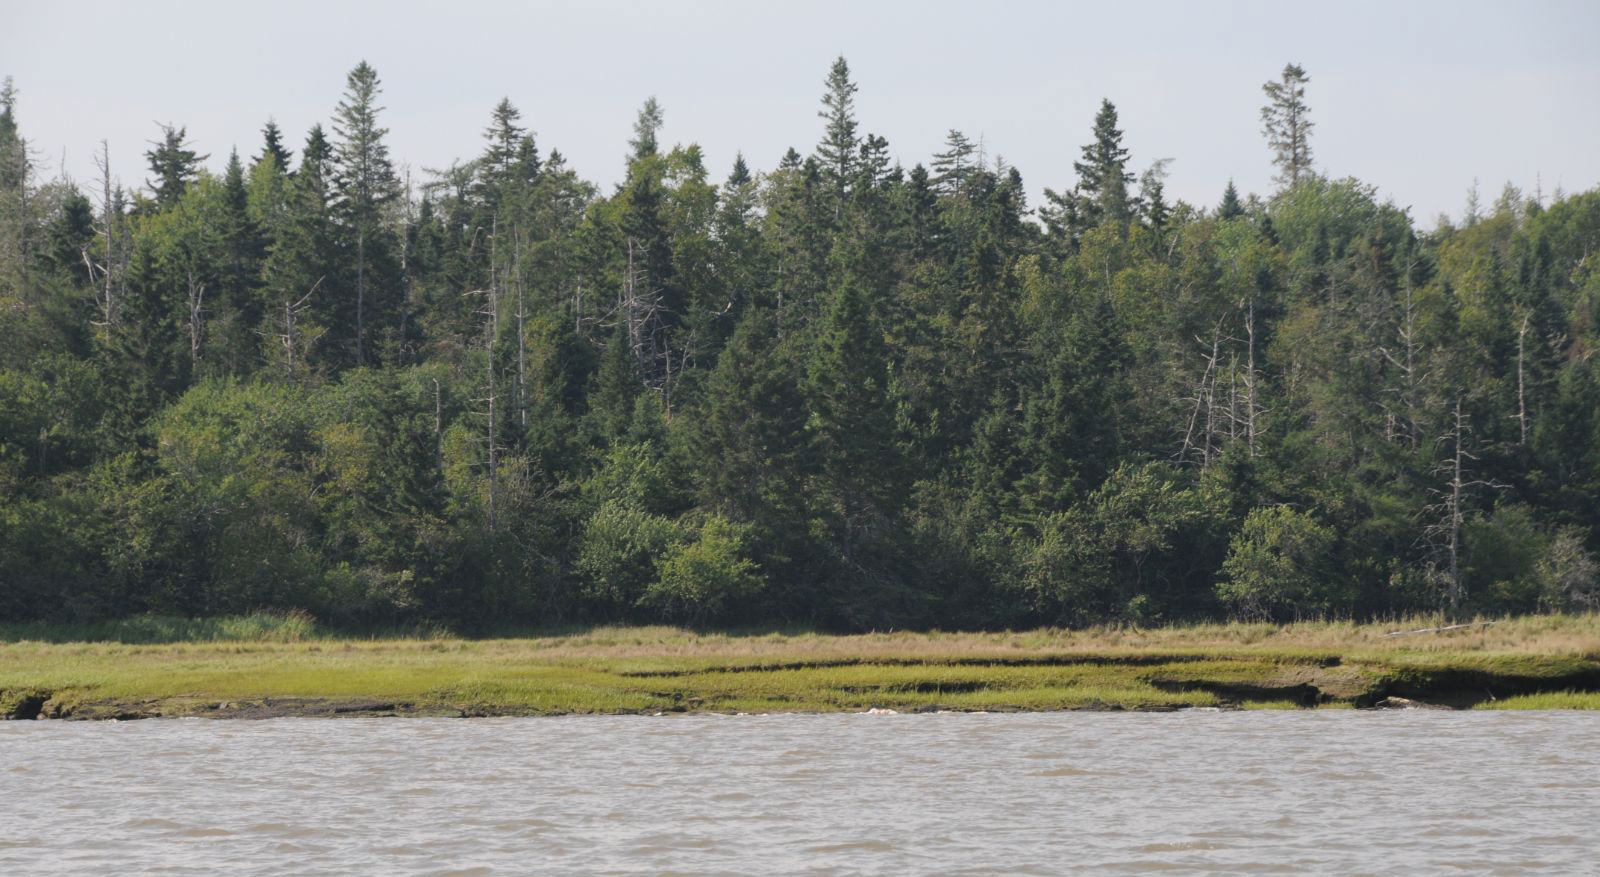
<point x="749" y="441"/>
<point x="837" y="150"/>
<point x="1231" y="207"/>
<point x="848" y="389"/>
<point x="366" y="186"/>
<point x="173" y="164"/>
<point x="1103" y="177"/>
<point x="272" y="147"/>
<point x="243" y="248"/>
<point x="302" y="274"/>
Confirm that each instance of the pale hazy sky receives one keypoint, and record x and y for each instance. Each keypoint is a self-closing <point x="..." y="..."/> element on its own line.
<point x="1417" y="98"/>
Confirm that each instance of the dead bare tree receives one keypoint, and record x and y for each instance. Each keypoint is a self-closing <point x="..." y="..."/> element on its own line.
<point x="103" y="275"/>
<point x="1405" y="357"/>
<point x="1199" y="435"/>
<point x="1252" y="404"/>
<point x="289" y="337"/>
<point x="491" y="331"/>
<point x="1522" y="383"/>
<point x="522" y="339"/>
<point x="1449" y="508"/>
<point x="197" y="325"/>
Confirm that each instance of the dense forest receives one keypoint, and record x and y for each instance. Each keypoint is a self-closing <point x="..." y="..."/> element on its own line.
<point x="839" y="393"/>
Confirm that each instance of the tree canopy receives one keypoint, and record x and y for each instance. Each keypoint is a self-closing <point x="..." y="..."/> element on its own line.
<point x="838" y="392"/>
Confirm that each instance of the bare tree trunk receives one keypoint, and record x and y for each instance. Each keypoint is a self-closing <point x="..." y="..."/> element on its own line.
<point x="361" y="297"/>
<point x="1201" y="416"/>
<point x="1457" y="590"/>
<point x="1250" y="377"/>
<point x="438" y="426"/>
<point x="522" y="344"/>
<point x="405" y="254"/>
<point x="197" y="298"/>
<point x="291" y="321"/>
<point x="491" y="333"/>
<point x="1522" y="387"/>
<point x="108" y="306"/>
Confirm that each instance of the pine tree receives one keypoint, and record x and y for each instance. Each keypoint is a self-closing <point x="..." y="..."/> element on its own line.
<point x="174" y="165"/>
<point x="1284" y="123"/>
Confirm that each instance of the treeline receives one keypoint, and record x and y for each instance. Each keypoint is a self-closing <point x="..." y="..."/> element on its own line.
<point x="840" y="392"/>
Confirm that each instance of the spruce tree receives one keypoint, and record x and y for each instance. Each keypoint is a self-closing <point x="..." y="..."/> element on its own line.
<point x="749" y="442"/>
<point x="1285" y="124"/>
<point x="173" y="164"/>
<point x="302" y="275"/>
<point x="502" y="152"/>
<point x="1152" y="195"/>
<point x="1103" y="177"/>
<point x="645" y="128"/>
<point x="611" y="402"/>
<point x="850" y="412"/>
<point x="272" y="146"/>
<point x="836" y="152"/>
<point x="951" y="167"/>
<point x="366" y="186"/>
<point x="243" y="248"/>
<point x="1231" y="207"/>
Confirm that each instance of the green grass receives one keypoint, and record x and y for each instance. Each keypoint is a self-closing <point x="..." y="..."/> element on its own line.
<point x="1548" y="700"/>
<point x="255" y="627"/>
<point x="254" y="665"/>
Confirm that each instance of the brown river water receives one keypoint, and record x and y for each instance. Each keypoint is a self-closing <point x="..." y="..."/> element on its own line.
<point x="1197" y="792"/>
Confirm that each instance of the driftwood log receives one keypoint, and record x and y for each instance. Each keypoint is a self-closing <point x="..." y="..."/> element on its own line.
<point x="1438" y="629"/>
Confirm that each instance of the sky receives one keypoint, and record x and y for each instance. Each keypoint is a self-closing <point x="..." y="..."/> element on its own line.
<point x="1417" y="98"/>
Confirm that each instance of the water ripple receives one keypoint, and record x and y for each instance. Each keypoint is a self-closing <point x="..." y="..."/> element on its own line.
<point x="1184" y="793"/>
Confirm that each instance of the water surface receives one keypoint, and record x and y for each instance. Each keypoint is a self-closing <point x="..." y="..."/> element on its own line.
<point x="1193" y="792"/>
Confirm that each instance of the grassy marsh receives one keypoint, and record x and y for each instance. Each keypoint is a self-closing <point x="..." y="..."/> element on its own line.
<point x="253" y="668"/>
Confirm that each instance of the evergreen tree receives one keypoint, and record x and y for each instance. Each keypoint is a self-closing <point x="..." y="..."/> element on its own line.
<point x="646" y="127"/>
<point x="1285" y="124"/>
<point x="366" y="187"/>
<point x="611" y="402"/>
<point x="302" y="274"/>
<point x="1152" y="195"/>
<point x="749" y="442"/>
<point x="243" y="248"/>
<point x="173" y="164"/>
<point x="951" y="167"/>
<point x="836" y="152"/>
<point x="1103" y="177"/>
<point x="847" y="382"/>
<point x="272" y="147"/>
<point x="1231" y="207"/>
<point x="502" y="154"/>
